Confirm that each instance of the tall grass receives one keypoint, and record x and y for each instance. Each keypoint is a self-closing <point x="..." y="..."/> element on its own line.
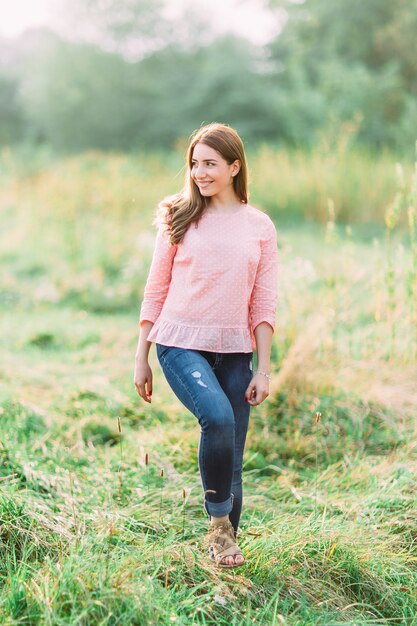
<point x="101" y="509"/>
<point x="294" y="186"/>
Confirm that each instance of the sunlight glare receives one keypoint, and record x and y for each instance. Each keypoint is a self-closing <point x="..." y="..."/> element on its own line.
<point x="18" y="15"/>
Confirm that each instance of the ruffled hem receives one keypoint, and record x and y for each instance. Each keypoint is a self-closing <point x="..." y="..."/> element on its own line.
<point x="208" y="338"/>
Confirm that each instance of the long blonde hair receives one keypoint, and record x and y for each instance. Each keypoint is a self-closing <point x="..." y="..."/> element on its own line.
<point x="187" y="206"/>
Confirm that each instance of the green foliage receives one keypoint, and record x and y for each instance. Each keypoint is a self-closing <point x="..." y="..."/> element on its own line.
<point x="141" y="81"/>
<point x="101" y="512"/>
<point x="81" y="97"/>
<point x="99" y="434"/>
<point x="354" y="58"/>
<point x="23" y="420"/>
<point x="349" y="427"/>
<point x="12" y="119"/>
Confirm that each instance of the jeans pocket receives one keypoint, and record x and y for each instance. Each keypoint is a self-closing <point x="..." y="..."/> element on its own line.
<point x="161" y="350"/>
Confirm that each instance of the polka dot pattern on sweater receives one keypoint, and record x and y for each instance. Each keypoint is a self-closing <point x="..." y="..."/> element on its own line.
<point x="211" y="291"/>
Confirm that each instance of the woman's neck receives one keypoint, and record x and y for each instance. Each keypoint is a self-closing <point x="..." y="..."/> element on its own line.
<point x="220" y="205"/>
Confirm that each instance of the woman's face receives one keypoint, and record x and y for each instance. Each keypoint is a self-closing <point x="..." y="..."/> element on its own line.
<point x="210" y="171"/>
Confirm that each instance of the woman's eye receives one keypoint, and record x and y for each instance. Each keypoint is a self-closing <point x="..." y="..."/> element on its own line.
<point x="210" y="163"/>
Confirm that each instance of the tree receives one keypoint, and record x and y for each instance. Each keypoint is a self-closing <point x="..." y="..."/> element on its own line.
<point x="82" y="97"/>
<point x="131" y="28"/>
<point x="12" y="119"/>
<point x="359" y="57"/>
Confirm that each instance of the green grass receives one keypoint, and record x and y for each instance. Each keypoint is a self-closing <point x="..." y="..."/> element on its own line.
<point x="101" y="513"/>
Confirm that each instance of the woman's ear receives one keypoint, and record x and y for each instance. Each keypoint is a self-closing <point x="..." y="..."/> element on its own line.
<point x="236" y="167"/>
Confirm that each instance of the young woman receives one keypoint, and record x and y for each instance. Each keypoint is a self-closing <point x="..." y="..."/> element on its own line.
<point x="209" y="301"/>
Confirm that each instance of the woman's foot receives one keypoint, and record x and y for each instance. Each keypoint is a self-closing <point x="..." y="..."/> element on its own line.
<point x="222" y="545"/>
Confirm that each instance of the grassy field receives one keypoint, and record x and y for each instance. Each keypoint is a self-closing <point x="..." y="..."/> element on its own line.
<point x="102" y="520"/>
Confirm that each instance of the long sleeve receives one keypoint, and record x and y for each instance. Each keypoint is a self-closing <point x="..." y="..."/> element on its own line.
<point x="159" y="277"/>
<point x="263" y="300"/>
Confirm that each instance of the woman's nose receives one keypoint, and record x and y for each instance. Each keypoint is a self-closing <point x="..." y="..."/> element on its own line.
<point x="199" y="171"/>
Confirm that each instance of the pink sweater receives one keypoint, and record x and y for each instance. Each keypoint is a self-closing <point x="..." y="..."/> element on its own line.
<point x="211" y="291"/>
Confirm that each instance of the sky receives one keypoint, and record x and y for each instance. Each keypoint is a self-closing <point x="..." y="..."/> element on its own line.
<point x="243" y="17"/>
<point x="18" y="15"/>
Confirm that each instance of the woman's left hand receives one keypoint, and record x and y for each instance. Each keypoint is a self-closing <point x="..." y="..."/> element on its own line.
<point x="257" y="390"/>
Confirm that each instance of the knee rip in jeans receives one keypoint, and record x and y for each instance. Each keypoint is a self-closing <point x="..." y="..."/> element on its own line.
<point x="197" y="375"/>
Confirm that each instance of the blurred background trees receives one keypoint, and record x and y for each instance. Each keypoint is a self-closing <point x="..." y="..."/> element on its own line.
<point x="125" y="75"/>
<point x="352" y="58"/>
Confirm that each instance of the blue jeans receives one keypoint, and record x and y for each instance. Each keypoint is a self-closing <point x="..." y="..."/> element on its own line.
<point x="212" y="386"/>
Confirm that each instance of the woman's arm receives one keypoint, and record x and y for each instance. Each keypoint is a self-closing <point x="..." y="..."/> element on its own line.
<point x="263" y="335"/>
<point x="263" y="299"/>
<point x="154" y="296"/>
<point x="143" y="373"/>
<point x="159" y="277"/>
<point x="258" y="388"/>
<point x="262" y="308"/>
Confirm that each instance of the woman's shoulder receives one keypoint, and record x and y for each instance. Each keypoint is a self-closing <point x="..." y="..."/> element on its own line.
<point x="259" y="217"/>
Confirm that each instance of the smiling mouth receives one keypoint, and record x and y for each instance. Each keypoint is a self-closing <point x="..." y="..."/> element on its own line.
<point x="204" y="184"/>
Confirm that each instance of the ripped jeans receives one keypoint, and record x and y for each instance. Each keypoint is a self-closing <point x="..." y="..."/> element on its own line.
<point x="212" y="386"/>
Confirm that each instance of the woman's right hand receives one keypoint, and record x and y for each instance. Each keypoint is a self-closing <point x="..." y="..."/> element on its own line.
<point x="143" y="379"/>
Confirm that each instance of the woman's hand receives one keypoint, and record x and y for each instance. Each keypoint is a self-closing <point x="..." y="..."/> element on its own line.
<point x="143" y="379"/>
<point x="257" y="390"/>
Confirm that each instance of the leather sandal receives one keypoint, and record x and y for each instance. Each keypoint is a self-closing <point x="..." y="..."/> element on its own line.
<point x="221" y="540"/>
